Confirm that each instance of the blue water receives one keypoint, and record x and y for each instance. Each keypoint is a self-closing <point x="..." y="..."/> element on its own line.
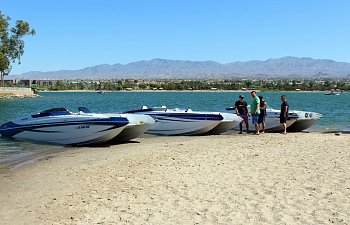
<point x="335" y="109"/>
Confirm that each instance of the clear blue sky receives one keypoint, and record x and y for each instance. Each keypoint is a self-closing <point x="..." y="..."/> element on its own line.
<point x="73" y="34"/>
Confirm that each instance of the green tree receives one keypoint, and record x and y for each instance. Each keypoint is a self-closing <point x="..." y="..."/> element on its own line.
<point x="247" y="83"/>
<point x="59" y="85"/>
<point x="11" y="43"/>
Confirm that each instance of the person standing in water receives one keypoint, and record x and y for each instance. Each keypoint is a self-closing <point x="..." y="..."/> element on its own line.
<point x="262" y="115"/>
<point x="284" y="113"/>
<point x="255" y="111"/>
<point x="241" y="107"/>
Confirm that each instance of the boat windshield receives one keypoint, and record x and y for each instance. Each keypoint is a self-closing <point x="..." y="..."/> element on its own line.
<point x="139" y="110"/>
<point x="52" y="112"/>
<point x="85" y="110"/>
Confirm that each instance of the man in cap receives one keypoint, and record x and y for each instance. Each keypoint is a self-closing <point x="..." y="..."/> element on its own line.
<point x="241" y="107"/>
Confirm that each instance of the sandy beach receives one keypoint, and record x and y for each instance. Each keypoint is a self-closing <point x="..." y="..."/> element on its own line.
<point x="298" y="178"/>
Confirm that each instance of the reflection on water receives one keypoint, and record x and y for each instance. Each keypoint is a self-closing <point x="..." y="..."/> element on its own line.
<point x="11" y="149"/>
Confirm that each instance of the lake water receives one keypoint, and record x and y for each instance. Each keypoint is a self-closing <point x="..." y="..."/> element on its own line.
<point x="335" y="109"/>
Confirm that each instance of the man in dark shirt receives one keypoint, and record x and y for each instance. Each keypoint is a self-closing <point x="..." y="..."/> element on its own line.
<point x="284" y="113"/>
<point x="241" y="107"/>
<point x="262" y="115"/>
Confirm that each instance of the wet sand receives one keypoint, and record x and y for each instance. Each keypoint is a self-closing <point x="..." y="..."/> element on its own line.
<point x="298" y="178"/>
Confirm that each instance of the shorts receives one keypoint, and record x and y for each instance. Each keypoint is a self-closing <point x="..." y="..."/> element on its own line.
<point x="244" y="117"/>
<point x="261" y="119"/>
<point x="255" y="119"/>
<point x="283" y="119"/>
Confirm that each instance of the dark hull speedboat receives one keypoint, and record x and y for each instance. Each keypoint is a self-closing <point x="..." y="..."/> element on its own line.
<point x="59" y="126"/>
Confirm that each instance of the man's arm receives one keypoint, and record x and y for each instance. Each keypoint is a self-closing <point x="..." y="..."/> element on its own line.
<point x="246" y="109"/>
<point x="285" y="110"/>
<point x="236" y="108"/>
<point x="256" y="108"/>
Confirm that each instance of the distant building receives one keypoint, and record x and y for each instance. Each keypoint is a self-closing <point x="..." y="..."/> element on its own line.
<point x="29" y="83"/>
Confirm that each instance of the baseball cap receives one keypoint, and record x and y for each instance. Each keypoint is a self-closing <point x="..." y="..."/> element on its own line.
<point x="241" y="96"/>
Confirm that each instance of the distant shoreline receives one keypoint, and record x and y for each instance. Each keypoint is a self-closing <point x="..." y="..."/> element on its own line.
<point x="14" y="92"/>
<point x="234" y="91"/>
<point x="13" y="96"/>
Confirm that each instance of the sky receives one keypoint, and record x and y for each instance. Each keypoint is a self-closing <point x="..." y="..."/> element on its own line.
<point x="74" y="34"/>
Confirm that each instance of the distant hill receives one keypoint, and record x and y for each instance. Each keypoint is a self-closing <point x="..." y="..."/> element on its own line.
<point x="179" y="69"/>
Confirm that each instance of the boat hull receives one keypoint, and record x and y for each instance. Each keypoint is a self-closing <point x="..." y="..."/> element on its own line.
<point x="272" y="124"/>
<point x="70" y="130"/>
<point x="229" y="122"/>
<point x="305" y="120"/>
<point x="222" y="127"/>
<point x="301" y="125"/>
<point x="131" y="131"/>
<point x="138" y="125"/>
<point x="275" y="125"/>
<point x="169" y="126"/>
<point x="171" y="122"/>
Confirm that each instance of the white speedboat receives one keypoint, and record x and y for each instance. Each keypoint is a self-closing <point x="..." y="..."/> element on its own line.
<point x="228" y="122"/>
<point x="333" y="92"/>
<point x="179" y="122"/>
<point x="138" y="125"/>
<point x="59" y="126"/>
<point x="304" y="121"/>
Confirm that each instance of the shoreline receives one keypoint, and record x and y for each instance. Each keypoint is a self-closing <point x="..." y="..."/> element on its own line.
<point x="11" y="165"/>
<point x="13" y="96"/>
<point x="157" y="91"/>
<point x="295" y="178"/>
<point x="50" y="151"/>
<point x="14" y="92"/>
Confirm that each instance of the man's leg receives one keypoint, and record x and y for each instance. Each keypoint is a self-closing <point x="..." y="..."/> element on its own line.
<point x="257" y="128"/>
<point x="256" y="124"/>
<point x="264" y="127"/>
<point x="285" y="127"/>
<point x="246" y="123"/>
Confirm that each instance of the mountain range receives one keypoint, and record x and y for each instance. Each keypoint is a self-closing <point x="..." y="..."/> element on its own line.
<point x="184" y="69"/>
